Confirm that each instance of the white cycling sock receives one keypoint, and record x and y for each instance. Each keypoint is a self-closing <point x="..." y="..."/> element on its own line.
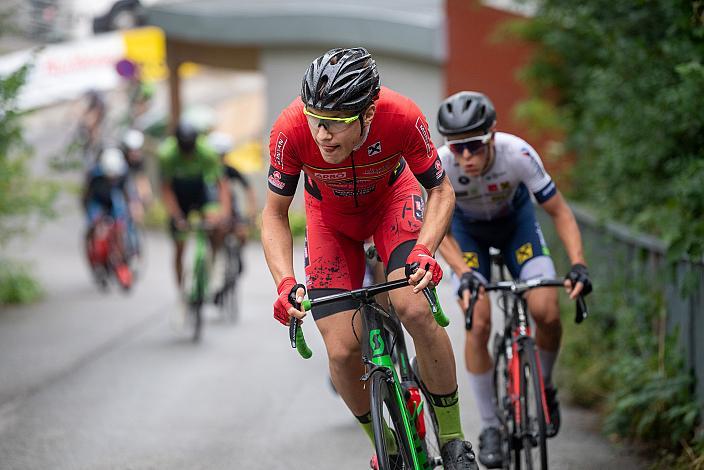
<point x="547" y="362"/>
<point x="483" y="389"/>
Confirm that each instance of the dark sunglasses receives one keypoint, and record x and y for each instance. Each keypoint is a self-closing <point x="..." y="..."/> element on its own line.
<point x="472" y="144"/>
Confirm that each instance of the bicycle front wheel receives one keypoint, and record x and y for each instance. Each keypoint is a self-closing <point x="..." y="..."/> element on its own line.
<point x="432" y="430"/>
<point x="391" y="438"/>
<point x="504" y="405"/>
<point x="532" y="425"/>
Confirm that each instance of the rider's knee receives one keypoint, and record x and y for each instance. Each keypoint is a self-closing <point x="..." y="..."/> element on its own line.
<point x="415" y="315"/>
<point x="342" y="355"/>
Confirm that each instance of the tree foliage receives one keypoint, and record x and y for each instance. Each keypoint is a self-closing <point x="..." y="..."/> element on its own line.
<point x="21" y="196"/>
<point x="625" y="80"/>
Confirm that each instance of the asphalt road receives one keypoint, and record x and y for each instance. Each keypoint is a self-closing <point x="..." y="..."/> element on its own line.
<point x="104" y="381"/>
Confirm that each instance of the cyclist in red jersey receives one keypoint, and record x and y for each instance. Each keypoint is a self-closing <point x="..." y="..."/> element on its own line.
<point x="363" y="149"/>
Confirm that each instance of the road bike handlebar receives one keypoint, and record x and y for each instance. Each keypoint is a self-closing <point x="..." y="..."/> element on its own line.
<point x="519" y="288"/>
<point x="364" y="294"/>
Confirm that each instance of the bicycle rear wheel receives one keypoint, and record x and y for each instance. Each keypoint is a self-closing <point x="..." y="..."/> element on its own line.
<point x="532" y="423"/>
<point x="229" y="302"/>
<point x="386" y="410"/>
<point x="197" y="298"/>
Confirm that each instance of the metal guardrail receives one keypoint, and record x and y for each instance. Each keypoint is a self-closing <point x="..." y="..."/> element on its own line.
<point x="615" y="253"/>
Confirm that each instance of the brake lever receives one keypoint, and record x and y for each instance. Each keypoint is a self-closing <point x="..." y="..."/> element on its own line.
<point x="469" y="313"/>
<point x="581" y="310"/>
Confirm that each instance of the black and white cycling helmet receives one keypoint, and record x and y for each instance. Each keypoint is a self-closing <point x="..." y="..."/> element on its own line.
<point x="186" y="135"/>
<point x="341" y="80"/>
<point x="466" y="111"/>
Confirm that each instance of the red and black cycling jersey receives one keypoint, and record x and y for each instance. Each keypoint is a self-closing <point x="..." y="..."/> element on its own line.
<point x="398" y="141"/>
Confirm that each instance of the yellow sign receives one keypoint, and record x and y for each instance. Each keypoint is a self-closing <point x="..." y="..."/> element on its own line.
<point x="246" y="158"/>
<point x="471" y="259"/>
<point x="524" y="253"/>
<point x="146" y="47"/>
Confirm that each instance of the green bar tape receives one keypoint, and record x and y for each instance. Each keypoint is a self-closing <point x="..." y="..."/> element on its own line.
<point x="301" y="345"/>
<point x="438" y="314"/>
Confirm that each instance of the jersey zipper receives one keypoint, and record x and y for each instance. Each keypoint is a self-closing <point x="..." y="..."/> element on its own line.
<point x="354" y="181"/>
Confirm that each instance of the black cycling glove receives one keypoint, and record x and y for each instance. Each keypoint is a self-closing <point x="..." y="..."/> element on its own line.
<point x="579" y="273"/>
<point x="469" y="281"/>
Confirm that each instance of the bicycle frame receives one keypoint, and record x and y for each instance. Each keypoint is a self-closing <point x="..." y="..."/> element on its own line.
<point x="381" y="334"/>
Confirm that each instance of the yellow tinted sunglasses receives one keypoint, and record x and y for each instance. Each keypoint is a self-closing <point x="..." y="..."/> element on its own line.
<point x="332" y="124"/>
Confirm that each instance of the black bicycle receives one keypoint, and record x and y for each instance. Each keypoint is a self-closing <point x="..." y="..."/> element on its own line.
<point x="520" y="392"/>
<point x="226" y="298"/>
<point x="399" y="401"/>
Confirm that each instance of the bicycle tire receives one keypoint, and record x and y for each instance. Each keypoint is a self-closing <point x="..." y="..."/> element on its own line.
<point x="432" y="429"/>
<point x="385" y="408"/>
<point x="503" y="405"/>
<point x="533" y="426"/>
<point x="229" y="305"/>
<point x="200" y="285"/>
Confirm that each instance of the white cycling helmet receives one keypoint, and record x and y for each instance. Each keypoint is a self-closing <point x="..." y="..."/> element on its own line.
<point x="202" y="118"/>
<point x="133" y="139"/>
<point x="112" y="162"/>
<point x="221" y="142"/>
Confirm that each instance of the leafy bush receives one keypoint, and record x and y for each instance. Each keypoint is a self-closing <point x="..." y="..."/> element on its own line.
<point x="17" y="286"/>
<point x="624" y="80"/>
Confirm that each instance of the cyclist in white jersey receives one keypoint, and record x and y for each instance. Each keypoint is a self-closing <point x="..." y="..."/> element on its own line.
<point x="493" y="175"/>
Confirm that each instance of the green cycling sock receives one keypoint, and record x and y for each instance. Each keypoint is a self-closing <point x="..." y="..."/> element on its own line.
<point x="365" y="421"/>
<point x="447" y="410"/>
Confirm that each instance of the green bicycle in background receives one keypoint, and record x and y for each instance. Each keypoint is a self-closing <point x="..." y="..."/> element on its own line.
<point x="398" y="412"/>
<point x="196" y="292"/>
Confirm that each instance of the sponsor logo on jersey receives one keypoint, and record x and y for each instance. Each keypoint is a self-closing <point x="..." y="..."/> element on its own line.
<point x="418" y="207"/>
<point x="492" y="188"/>
<point x="505" y="185"/>
<point x="471" y="259"/>
<point x="348" y="193"/>
<point x="279" y="150"/>
<point x="374" y="149"/>
<point x="330" y="176"/>
<point x="423" y="130"/>
<point x="439" y="170"/>
<point x="463" y="179"/>
<point x="275" y="180"/>
<point x="524" y="253"/>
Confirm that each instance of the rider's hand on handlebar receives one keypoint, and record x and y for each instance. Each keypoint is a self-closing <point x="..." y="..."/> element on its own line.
<point x="577" y="281"/>
<point x="429" y="272"/>
<point x="288" y="289"/>
<point x="470" y="282"/>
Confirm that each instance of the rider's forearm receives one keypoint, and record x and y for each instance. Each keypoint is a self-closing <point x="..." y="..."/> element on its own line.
<point x="438" y="213"/>
<point x="251" y="203"/>
<point x="170" y="203"/>
<point x="568" y="231"/>
<point x="277" y="243"/>
<point x="451" y="252"/>
<point x="224" y="196"/>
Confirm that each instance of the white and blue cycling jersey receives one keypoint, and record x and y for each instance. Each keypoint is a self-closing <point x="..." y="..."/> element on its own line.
<point x="494" y="209"/>
<point x="504" y="186"/>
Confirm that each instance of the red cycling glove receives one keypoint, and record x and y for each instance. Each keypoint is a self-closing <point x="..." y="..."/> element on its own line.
<point x="421" y="255"/>
<point x="287" y="287"/>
